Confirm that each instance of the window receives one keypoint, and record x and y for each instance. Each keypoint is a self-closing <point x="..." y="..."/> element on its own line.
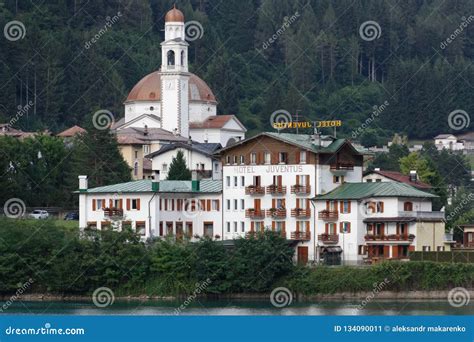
<point x="440" y="248"/>
<point x="152" y="108"/>
<point x="182" y="58"/>
<point x="258" y="226"/>
<point x="282" y="158"/>
<point x="170" y="57"/>
<point x="242" y="227"/>
<point x="100" y="204"/>
<point x="369" y="180"/>
<point x="235" y="160"/>
<point x="227" y="160"/>
<point x="216" y="167"/>
<point x="253" y="158"/>
<point x="91" y="225"/>
<point x="146" y="149"/>
<point x="228" y="227"/>
<point x="380" y="207"/>
<point x="345" y="227"/>
<point x="242" y="204"/>
<point x="235" y="227"/>
<point x="279" y="226"/>
<point x="227" y="181"/>
<point x="228" y="204"/>
<point x="302" y="157"/>
<point x="242" y="160"/>
<point x="346" y="207"/>
<point x="362" y="250"/>
<point x="136" y="154"/>
<point x="332" y="228"/>
<point x="215" y="205"/>
<point x="209" y="229"/>
<point x="338" y="179"/>
<point x="378" y="180"/>
<point x="140" y="228"/>
<point x="235" y="204"/>
<point x="135" y="204"/>
<point x="426" y="248"/>
<point x="268" y="158"/>
<point x="408" y="206"/>
<point x="164" y="167"/>
<point x="135" y="169"/>
<point x="236" y="184"/>
<point x="242" y="180"/>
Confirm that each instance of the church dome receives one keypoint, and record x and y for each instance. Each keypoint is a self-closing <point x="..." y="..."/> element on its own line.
<point x="174" y="15"/>
<point x="149" y="89"/>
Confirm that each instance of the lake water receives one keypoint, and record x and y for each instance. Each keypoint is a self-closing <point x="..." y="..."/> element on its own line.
<point x="240" y="307"/>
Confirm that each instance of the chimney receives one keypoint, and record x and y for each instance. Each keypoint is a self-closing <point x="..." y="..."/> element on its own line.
<point x="377" y="169"/>
<point x="155" y="183"/>
<point x="316" y="138"/>
<point x="194" y="181"/>
<point x="145" y="131"/>
<point x="413" y="176"/>
<point x="83" y="184"/>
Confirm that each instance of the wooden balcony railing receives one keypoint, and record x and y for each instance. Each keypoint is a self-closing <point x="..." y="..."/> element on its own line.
<point x="255" y="214"/>
<point x="276" y="189"/>
<point x="276" y="213"/>
<point x="328" y="215"/>
<point x="300" y="236"/>
<point x="254" y="190"/>
<point x="301" y="213"/>
<point x="113" y="212"/>
<point x="342" y="167"/>
<point x="300" y="189"/>
<point x="390" y="237"/>
<point x="255" y="233"/>
<point x="328" y="238"/>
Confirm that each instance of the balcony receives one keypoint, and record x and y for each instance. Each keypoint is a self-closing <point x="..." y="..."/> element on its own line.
<point x="301" y="213"/>
<point x="328" y="238"/>
<point x="255" y="214"/>
<point x="276" y="190"/>
<point x="390" y="237"/>
<point x="254" y="190"/>
<point x="300" y="236"/>
<point x="113" y="213"/>
<point x="276" y="213"/>
<point x="301" y="189"/>
<point x="255" y="234"/>
<point x="328" y="215"/>
<point x="423" y="215"/>
<point x="342" y="167"/>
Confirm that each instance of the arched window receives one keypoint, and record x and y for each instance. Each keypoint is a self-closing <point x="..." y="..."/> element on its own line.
<point x="170" y="56"/>
<point x="182" y="58"/>
<point x="135" y="169"/>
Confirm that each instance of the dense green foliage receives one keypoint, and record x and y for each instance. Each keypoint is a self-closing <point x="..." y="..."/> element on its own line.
<point x="318" y="64"/>
<point x="178" y="168"/>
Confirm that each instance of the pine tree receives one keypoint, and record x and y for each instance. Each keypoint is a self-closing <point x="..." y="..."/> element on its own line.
<point x="178" y="169"/>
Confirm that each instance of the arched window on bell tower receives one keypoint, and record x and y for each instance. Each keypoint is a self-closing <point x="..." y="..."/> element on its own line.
<point x="170" y="57"/>
<point x="182" y="58"/>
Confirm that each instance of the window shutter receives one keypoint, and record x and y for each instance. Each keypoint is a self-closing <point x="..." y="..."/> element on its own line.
<point x="161" y="204"/>
<point x="381" y="207"/>
<point x="297" y="180"/>
<point x="334" y="179"/>
<point x="348" y="207"/>
<point x="209" y="205"/>
<point x="111" y="205"/>
<point x="138" y="204"/>
<point x="252" y="226"/>
<point x="341" y="228"/>
<point x="348" y="227"/>
<point x="273" y="225"/>
<point x="297" y="203"/>
<point x="280" y="180"/>
<point x="202" y="205"/>
<point x="93" y="205"/>
<point x="120" y="203"/>
<point x="298" y="160"/>
<point x="327" y="228"/>
<point x="342" y="180"/>
<point x="297" y="226"/>
<point x="283" y="227"/>
<point x="307" y="226"/>
<point x="342" y="206"/>
<point x="128" y="203"/>
<point x="283" y="203"/>
<point x="327" y="205"/>
<point x="307" y="180"/>
<point x="398" y="228"/>
<point x="218" y="204"/>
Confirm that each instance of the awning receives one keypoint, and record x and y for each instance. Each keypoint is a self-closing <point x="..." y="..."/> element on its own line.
<point x="332" y="249"/>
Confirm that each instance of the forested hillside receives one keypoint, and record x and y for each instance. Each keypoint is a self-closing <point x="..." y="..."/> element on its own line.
<point x="258" y="56"/>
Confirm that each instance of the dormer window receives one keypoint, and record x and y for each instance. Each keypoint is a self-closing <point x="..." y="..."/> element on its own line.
<point x="253" y="158"/>
<point x="282" y="158"/>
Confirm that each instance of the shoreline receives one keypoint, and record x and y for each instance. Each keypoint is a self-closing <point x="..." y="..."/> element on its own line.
<point x="341" y="296"/>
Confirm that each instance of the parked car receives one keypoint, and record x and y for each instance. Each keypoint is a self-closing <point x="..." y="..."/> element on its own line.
<point x="72" y="216"/>
<point x="39" y="214"/>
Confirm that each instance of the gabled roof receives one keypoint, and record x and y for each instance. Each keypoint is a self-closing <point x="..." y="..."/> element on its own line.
<point x="165" y="186"/>
<point x="356" y="191"/>
<point x="402" y="178"/>
<point x="444" y="136"/>
<point x="215" y="122"/>
<point x="469" y="136"/>
<point x="72" y="131"/>
<point x="303" y="141"/>
<point x="204" y="148"/>
<point x="148" y="134"/>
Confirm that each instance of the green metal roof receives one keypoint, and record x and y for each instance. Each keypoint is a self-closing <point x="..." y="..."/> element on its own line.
<point x="375" y="189"/>
<point x="205" y="186"/>
<point x="305" y="141"/>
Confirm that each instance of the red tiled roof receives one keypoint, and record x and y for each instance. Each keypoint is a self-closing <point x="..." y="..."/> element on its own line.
<point x="402" y="178"/>
<point x="215" y="121"/>
<point x="70" y="132"/>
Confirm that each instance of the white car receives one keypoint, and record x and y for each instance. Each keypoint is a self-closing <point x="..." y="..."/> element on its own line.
<point x="39" y="214"/>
